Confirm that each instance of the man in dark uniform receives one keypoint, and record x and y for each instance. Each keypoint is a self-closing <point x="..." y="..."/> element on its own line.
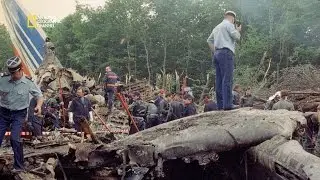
<point x="159" y="97"/>
<point x="236" y="94"/>
<point x="14" y="101"/>
<point x="139" y="111"/>
<point x="51" y="112"/>
<point x="110" y="81"/>
<point x="189" y="107"/>
<point x="35" y="124"/>
<point x="176" y="108"/>
<point x="80" y="109"/>
<point x="152" y="115"/>
<point x="210" y="105"/>
<point x="164" y="108"/>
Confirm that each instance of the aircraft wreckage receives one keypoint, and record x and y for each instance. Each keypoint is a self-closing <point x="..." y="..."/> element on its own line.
<point x="238" y="144"/>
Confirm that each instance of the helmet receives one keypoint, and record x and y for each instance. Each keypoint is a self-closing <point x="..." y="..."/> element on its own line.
<point x="232" y="13"/>
<point x="14" y="64"/>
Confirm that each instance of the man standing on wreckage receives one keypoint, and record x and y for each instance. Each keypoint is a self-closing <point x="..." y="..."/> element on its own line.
<point x="14" y="101"/>
<point x="111" y="80"/>
<point x="79" y="110"/>
<point x="222" y="42"/>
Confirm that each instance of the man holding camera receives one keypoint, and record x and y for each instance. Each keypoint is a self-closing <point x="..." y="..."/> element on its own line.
<point x="222" y="42"/>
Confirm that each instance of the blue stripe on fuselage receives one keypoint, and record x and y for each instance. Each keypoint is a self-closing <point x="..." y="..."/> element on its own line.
<point x="32" y="33"/>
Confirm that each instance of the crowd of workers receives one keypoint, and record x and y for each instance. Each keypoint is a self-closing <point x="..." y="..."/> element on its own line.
<point x="15" y="105"/>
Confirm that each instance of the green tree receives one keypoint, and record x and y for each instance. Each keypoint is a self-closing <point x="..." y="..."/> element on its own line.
<point x="6" y="49"/>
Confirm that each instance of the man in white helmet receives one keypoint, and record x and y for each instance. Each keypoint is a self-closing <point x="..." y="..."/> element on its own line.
<point x="222" y="42"/>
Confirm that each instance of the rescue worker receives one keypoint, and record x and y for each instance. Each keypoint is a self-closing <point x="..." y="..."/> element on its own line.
<point x="222" y="42"/>
<point x="248" y="99"/>
<point x="111" y="80"/>
<point x="210" y="105"/>
<point x="189" y="107"/>
<point x="138" y="110"/>
<point x="272" y="100"/>
<point x="283" y="103"/>
<point x="309" y="138"/>
<point x="315" y="118"/>
<point x="35" y="124"/>
<point x="48" y="46"/>
<point x="49" y="52"/>
<point x="14" y="101"/>
<point x="164" y="108"/>
<point x="80" y="109"/>
<point x="177" y="108"/>
<point x="51" y="112"/>
<point x="159" y="97"/>
<point x="85" y="88"/>
<point x="152" y="118"/>
<point x="236" y="94"/>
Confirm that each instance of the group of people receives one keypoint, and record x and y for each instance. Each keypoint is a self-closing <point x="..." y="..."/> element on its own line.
<point x="15" y="105"/>
<point x="165" y="107"/>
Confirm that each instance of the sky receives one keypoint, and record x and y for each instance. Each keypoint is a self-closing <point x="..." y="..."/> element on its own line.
<point x="55" y="9"/>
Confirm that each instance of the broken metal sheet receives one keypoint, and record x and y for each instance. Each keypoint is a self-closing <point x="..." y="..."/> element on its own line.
<point x="286" y="158"/>
<point x="215" y="131"/>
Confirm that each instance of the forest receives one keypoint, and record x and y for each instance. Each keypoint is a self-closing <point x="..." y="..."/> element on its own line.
<point x="143" y="38"/>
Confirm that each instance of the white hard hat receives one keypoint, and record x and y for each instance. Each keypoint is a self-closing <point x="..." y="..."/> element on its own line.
<point x="230" y="13"/>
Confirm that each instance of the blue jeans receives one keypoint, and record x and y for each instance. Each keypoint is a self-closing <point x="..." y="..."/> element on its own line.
<point x="109" y="96"/>
<point x="14" y="119"/>
<point x="35" y="125"/>
<point x="224" y="63"/>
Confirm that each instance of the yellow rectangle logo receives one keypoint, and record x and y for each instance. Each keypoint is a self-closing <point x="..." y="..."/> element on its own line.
<point x="32" y="21"/>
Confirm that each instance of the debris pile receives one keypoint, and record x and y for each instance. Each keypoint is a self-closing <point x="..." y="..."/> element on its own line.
<point x="210" y="143"/>
<point x="297" y="78"/>
<point x="143" y="87"/>
<point x="305" y="101"/>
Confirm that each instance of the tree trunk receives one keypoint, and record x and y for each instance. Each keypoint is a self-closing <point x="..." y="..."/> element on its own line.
<point x="148" y="61"/>
<point x="164" y="62"/>
<point x="129" y="59"/>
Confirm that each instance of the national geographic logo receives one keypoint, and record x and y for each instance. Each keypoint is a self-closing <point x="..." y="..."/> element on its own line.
<point x="34" y="21"/>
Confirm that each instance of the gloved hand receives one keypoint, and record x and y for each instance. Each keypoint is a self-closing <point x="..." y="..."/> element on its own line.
<point x="90" y="116"/>
<point x="71" y="118"/>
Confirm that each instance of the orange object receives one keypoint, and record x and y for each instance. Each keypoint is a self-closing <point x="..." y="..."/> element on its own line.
<point x="101" y="120"/>
<point x="125" y="106"/>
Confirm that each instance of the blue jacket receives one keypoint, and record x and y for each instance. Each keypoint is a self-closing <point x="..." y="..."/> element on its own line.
<point x="189" y="110"/>
<point x="211" y="106"/>
<point x="80" y="109"/>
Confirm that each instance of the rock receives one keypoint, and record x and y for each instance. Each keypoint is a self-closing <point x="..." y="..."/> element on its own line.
<point x="100" y="99"/>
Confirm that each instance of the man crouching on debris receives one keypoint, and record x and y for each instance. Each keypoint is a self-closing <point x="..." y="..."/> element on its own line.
<point x="80" y="108"/>
<point x="14" y="101"/>
<point x="283" y="103"/>
<point x="139" y="111"/>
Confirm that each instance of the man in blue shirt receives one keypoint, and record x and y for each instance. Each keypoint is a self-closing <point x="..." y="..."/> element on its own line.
<point x="15" y="90"/>
<point x="222" y="44"/>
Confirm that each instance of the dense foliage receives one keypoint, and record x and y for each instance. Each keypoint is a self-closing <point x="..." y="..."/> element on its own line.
<point x="6" y="50"/>
<point x="145" y="37"/>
